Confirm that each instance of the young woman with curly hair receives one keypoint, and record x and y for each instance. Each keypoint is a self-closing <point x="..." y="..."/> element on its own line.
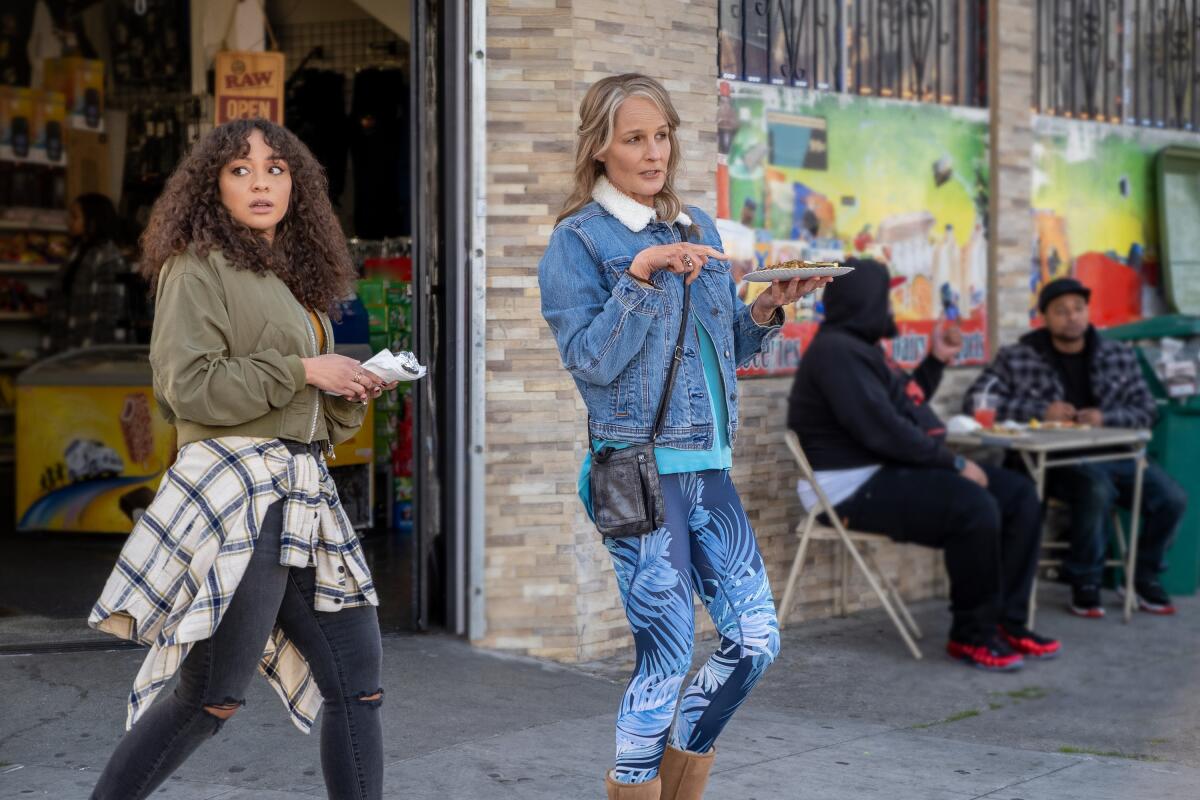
<point x="246" y="558"/>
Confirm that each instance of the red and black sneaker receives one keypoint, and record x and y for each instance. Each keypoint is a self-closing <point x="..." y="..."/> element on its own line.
<point x="995" y="654"/>
<point x="1152" y="598"/>
<point x="1028" y="643"/>
<point x="1085" y="601"/>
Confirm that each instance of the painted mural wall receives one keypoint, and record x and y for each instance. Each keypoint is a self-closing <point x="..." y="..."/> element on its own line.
<point x="1095" y="212"/>
<point x="825" y="176"/>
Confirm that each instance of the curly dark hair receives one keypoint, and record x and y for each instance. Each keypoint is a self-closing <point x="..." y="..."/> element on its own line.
<point x="309" y="251"/>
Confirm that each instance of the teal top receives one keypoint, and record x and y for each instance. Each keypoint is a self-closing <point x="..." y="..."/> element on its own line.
<point x="672" y="460"/>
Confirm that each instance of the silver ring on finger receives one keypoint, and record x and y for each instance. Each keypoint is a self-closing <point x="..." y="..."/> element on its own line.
<point x="687" y="261"/>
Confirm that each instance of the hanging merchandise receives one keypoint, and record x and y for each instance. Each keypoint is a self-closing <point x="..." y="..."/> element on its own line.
<point x="314" y="112"/>
<point x="44" y="41"/>
<point x="379" y="147"/>
<point x="150" y="44"/>
<point x="16" y="19"/>
<point x="224" y="25"/>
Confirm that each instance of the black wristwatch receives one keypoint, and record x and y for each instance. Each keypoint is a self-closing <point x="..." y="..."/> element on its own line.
<point x="960" y="463"/>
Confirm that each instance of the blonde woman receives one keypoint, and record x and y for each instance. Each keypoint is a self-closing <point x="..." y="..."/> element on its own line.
<point x="612" y="282"/>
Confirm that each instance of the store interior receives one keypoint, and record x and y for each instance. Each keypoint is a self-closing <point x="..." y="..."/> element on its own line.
<point x="102" y="99"/>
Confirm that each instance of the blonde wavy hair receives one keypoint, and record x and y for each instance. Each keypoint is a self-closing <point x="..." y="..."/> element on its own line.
<point x="597" y="117"/>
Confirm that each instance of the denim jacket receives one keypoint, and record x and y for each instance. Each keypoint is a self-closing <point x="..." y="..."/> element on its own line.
<point x="616" y="336"/>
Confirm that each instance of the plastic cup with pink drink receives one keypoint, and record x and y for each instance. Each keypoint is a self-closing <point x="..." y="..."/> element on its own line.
<point x="985" y="407"/>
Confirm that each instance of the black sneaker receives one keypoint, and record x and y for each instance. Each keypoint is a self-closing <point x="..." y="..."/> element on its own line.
<point x="1085" y="601"/>
<point x="1152" y="597"/>
<point x="995" y="654"/>
<point x="1028" y="643"/>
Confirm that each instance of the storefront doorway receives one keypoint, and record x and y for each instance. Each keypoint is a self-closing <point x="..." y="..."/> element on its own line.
<point x="398" y="175"/>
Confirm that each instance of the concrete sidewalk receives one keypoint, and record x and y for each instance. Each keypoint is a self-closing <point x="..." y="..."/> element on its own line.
<point x="845" y="714"/>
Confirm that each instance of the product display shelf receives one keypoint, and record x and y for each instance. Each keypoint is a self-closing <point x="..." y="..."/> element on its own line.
<point x="41" y="227"/>
<point x="21" y="268"/>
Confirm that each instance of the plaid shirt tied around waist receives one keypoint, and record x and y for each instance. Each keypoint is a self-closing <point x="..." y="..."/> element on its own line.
<point x="182" y="563"/>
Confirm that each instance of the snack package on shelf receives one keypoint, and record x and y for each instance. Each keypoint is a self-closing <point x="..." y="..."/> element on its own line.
<point x="49" y="122"/>
<point x="33" y="247"/>
<point x="386" y="296"/>
<point x="16" y="123"/>
<point x="81" y="81"/>
<point x="16" y="298"/>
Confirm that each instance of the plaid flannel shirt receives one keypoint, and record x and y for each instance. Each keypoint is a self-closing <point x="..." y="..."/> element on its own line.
<point x="1023" y="383"/>
<point x="183" y="560"/>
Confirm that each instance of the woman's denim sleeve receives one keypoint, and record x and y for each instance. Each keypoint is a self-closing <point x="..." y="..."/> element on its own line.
<point x="749" y="338"/>
<point x="598" y="331"/>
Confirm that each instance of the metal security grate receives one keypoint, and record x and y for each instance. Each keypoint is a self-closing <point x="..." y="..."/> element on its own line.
<point x="343" y="46"/>
<point x="925" y="50"/>
<point x="1122" y="61"/>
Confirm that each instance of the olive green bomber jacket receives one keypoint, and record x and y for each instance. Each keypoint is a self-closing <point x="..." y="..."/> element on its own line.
<point x="226" y="351"/>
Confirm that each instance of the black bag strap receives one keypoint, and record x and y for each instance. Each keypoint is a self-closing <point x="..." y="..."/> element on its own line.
<point x="661" y="417"/>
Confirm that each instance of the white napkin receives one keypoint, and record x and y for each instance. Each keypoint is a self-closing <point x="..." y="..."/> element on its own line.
<point x="402" y="366"/>
<point x="392" y="367"/>
<point x="962" y="424"/>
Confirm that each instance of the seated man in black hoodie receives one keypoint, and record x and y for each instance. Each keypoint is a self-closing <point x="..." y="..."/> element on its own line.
<point x="878" y="452"/>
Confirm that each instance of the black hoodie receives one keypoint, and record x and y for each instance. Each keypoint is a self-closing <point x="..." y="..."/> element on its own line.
<point x="848" y="405"/>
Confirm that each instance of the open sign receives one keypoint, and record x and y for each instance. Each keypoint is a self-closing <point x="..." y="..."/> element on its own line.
<point x="249" y="85"/>
<point x="247" y="107"/>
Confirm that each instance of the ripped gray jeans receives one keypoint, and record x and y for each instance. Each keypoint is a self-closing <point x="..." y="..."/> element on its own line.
<point x="342" y="648"/>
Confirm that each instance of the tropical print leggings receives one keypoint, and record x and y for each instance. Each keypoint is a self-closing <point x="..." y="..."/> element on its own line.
<point x="705" y="545"/>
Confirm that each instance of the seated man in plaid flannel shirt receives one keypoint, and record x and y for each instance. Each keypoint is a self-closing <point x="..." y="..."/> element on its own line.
<point x="1067" y="372"/>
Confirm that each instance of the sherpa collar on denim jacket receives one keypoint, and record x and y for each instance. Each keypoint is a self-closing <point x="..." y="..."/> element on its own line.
<point x="630" y="212"/>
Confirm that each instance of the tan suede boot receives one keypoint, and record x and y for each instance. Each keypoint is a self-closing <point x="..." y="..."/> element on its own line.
<point x="684" y="775"/>
<point x="632" y="791"/>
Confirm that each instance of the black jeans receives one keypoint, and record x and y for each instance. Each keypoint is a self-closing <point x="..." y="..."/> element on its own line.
<point x="343" y="651"/>
<point x="990" y="536"/>
<point x="1092" y="490"/>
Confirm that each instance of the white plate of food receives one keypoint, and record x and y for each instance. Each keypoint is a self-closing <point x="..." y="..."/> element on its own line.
<point x="1064" y="425"/>
<point x="799" y="269"/>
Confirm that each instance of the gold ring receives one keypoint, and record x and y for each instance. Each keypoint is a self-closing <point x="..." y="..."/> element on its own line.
<point x="688" y="261"/>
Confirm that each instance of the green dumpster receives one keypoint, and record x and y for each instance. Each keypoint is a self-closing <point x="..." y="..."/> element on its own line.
<point x="1175" y="445"/>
